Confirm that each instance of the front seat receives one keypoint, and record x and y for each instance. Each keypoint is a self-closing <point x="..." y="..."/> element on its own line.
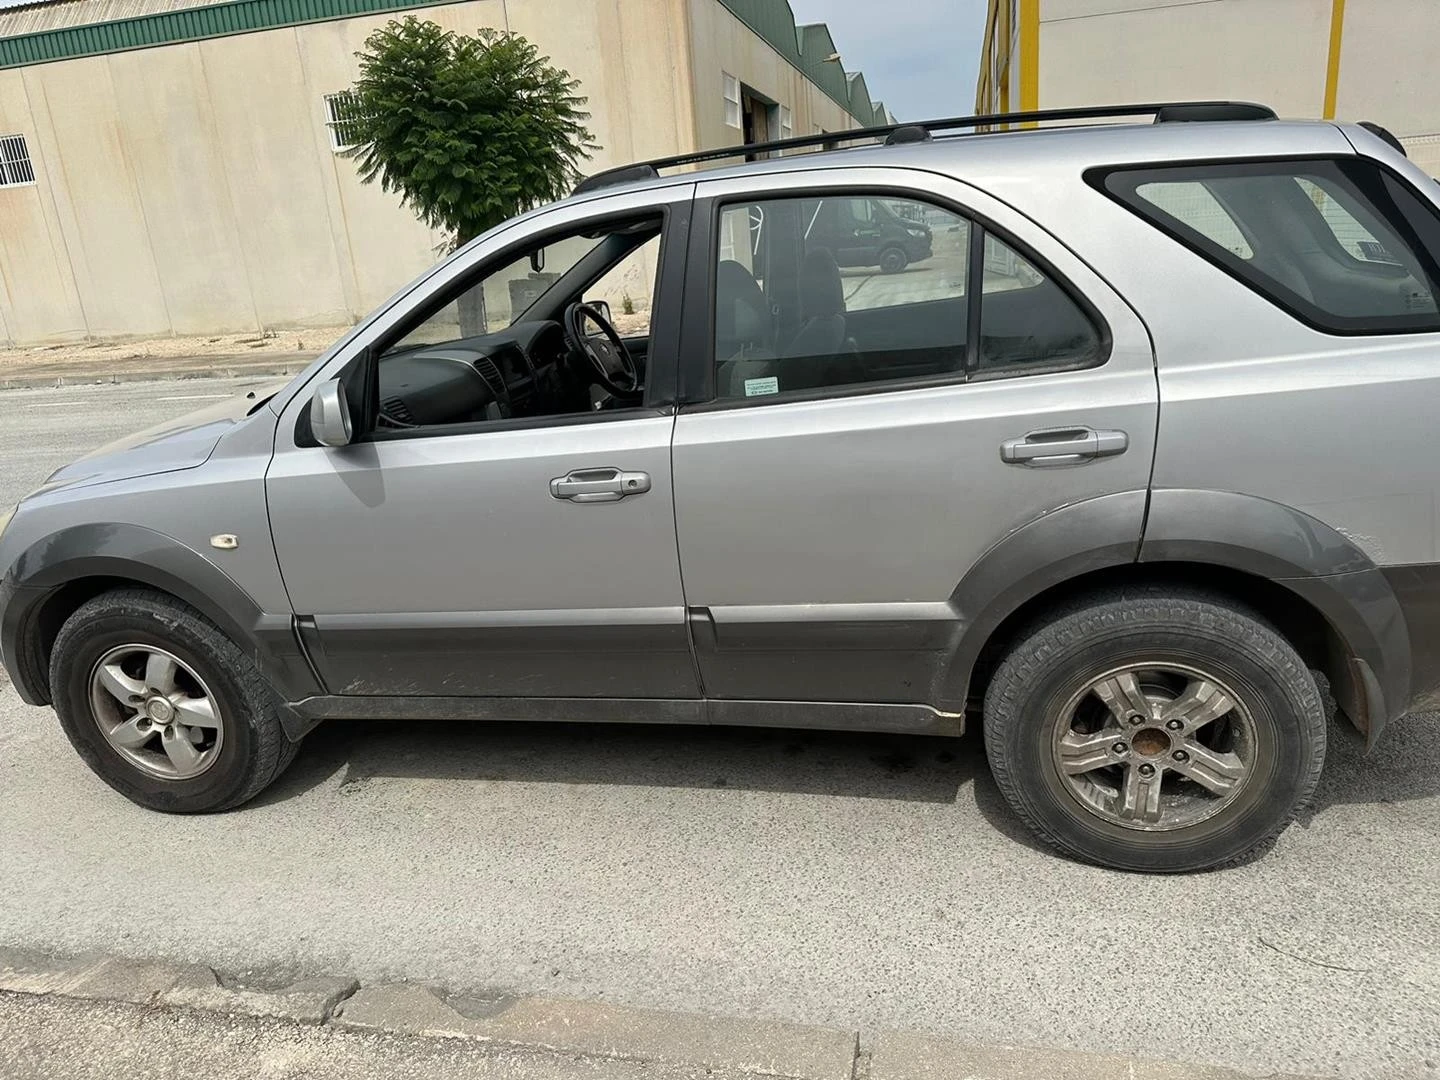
<point x="742" y="331"/>
<point x="822" y="307"/>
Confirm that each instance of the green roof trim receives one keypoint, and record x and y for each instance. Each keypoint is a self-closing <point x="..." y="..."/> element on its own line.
<point x="806" y="47"/>
<point x="187" y="24"/>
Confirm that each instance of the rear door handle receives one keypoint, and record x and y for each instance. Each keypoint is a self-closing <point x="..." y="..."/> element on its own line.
<point x="1063" y="446"/>
<point x="599" y="485"/>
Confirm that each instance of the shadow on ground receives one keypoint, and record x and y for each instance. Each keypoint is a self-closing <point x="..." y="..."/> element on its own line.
<point x="1406" y="764"/>
<point x="800" y="762"/>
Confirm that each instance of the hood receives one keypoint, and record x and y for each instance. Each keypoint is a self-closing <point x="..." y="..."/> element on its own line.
<point x="182" y="443"/>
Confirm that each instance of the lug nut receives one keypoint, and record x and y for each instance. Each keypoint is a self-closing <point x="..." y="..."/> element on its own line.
<point x="1181" y="755"/>
<point x="1136" y="719"/>
<point x="1174" y="725"/>
<point x="1147" y="770"/>
<point x="1119" y="748"/>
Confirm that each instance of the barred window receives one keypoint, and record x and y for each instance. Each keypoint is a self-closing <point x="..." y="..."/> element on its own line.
<point x="341" y="112"/>
<point x="15" y="166"/>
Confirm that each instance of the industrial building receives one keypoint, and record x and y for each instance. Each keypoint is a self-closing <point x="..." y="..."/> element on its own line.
<point x="168" y="167"/>
<point x="1337" y="59"/>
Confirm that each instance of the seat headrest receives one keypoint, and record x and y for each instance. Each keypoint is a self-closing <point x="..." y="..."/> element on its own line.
<point x="742" y="315"/>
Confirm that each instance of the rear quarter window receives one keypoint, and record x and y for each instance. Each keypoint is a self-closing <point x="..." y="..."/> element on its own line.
<point x="1340" y="243"/>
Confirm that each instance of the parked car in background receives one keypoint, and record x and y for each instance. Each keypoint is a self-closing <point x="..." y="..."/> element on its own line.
<point x="866" y="232"/>
<point x="1146" y="446"/>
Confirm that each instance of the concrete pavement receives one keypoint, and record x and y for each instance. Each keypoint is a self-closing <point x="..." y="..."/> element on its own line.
<point x="840" y="880"/>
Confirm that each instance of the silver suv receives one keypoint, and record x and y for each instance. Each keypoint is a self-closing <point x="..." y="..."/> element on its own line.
<point x="1143" y="443"/>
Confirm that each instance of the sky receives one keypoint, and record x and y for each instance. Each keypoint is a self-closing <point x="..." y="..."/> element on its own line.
<point x="919" y="56"/>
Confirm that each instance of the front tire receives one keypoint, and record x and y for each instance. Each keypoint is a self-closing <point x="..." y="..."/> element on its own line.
<point x="164" y="707"/>
<point x="1155" y="730"/>
<point x="893" y="260"/>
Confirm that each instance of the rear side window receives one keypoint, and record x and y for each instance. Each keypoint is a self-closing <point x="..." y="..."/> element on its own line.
<point x="857" y="291"/>
<point x="1342" y="244"/>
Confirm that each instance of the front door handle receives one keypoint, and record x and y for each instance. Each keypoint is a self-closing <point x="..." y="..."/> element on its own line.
<point x="599" y="485"/>
<point x="1063" y="446"/>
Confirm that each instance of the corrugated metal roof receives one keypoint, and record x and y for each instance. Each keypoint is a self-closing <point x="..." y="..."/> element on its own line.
<point x="186" y="23"/>
<point x="31" y="17"/>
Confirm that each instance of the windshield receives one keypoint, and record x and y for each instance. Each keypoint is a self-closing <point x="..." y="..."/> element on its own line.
<point x="512" y="289"/>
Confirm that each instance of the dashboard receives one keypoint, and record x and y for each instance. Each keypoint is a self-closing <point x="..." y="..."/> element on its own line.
<point x="517" y="372"/>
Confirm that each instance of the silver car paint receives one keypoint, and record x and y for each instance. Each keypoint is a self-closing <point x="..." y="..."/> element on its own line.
<point x="187" y="503"/>
<point x="891" y="497"/>
<point x="1251" y="401"/>
<point x="493" y="536"/>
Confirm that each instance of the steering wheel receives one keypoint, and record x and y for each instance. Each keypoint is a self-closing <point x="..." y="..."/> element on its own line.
<point x="613" y="366"/>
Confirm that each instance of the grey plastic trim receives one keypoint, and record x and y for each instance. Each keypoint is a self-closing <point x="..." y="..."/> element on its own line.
<point x="883" y="653"/>
<point x="1416" y="587"/>
<point x="542" y="653"/>
<point x="906" y="719"/>
<point x="552" y="710"/>
<point x="479" y="620"/>
<point x="1245" y="532"/>
<point x="1078" y="539"/>
<point x="818" y="715"/>
<point x="146" y="557"/>
<point x="1310" y="559"/>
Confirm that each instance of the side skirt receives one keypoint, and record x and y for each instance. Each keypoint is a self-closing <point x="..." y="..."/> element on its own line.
<point x="820" y="715"/>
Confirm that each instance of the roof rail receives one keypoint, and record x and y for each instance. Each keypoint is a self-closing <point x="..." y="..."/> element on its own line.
<point x="915" y="131"/>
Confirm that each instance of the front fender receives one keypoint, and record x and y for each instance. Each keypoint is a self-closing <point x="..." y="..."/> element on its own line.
<point x="137" y="555"/>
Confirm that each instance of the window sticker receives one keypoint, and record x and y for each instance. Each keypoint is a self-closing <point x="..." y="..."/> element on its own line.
<point x="760" y="387"/>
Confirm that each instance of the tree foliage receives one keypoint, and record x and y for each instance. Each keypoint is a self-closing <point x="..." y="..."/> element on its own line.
<point x="470" y="131"/>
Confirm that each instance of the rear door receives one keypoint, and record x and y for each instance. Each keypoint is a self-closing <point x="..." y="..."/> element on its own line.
<point x="828" y="506"/>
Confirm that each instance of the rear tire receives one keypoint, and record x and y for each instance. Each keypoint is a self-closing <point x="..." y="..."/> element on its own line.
<point x="893" y="260"/>
<point x="131" y="670"/>
<point x="1158" y="730"/>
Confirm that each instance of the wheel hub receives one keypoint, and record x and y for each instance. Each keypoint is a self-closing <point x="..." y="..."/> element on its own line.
<point x="1150" y="742"/>
<point x="160" y="711"/>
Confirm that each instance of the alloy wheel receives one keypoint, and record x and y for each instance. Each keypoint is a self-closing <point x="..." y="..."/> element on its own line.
<point x="156" y="712"/>
<point x="1155" y="746"/>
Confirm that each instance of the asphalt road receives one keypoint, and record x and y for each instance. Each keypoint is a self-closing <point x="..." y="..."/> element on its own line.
<point x="833" y="879"/>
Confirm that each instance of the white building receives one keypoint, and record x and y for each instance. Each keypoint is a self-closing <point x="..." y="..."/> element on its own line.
<point x="1373" y="60"/>
<point x="172" y="167"/>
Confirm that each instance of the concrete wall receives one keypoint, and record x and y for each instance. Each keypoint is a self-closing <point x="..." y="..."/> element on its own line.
<point x="1102" y="51"/>
<point x="1273" y="51"/>
<point x="191" y="188"/>
<point x="1390" y="65"/>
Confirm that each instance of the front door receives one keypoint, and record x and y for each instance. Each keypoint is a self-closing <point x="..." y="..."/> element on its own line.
<point x="836" y="481"/>
<point x="503" y="527"/>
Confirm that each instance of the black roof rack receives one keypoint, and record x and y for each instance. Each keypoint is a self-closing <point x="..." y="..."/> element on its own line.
<point x="919" y="131"/>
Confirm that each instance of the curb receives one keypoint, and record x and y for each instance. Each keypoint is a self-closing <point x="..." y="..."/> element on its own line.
<point x="577" y="1029"/>
<point x="217" y="367"/>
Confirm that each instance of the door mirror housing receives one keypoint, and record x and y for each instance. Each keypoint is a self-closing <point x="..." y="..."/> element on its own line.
<point x="603" y="307"/>
<point x="330" y="415"/>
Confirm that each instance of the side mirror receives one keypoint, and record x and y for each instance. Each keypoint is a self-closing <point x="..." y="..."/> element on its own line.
<point x="537" y="260"/>
<point x="603" y="307"/>
<point x="330" y="415"/>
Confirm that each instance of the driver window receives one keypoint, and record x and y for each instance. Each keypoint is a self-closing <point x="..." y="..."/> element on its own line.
<point x="629" y="290"/>
<point x="516" y="343"/>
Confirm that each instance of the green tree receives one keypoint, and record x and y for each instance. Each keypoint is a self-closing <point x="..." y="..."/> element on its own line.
<point x="470" y="131"/>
